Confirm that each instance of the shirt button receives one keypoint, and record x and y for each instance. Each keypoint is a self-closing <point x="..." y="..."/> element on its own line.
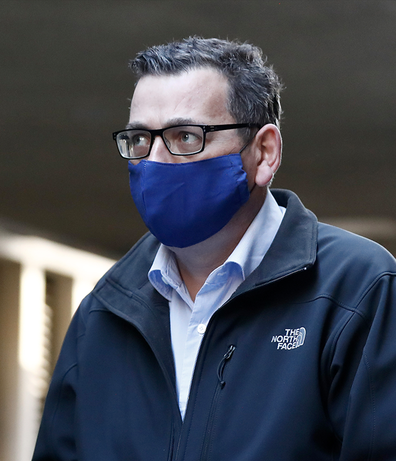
<point x="201" y="328"/>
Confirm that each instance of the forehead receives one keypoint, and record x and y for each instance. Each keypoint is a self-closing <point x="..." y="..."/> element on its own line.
<point x="199" y="95"/>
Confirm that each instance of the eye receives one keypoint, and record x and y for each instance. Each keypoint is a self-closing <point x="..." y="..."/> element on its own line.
<point x="187" y="137"/>
<point x="140" y="139"/>
<point x="184" y="139"/>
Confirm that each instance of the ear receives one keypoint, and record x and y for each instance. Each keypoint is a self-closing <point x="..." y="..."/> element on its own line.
<point x="269" y="149"/>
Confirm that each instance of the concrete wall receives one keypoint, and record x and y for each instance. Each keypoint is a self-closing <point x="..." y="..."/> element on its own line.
<point x="41" y="285"/>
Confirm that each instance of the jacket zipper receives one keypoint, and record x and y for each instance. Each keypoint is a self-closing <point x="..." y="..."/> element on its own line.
<point x="220" y="385"/>
<point x="222" y="364"/>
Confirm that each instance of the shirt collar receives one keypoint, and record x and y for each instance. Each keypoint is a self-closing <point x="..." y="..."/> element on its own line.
<point x="164" y="274"/>
<point x="259" y="236"/>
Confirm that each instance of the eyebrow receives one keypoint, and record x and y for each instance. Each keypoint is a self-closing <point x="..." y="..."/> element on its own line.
<point x="135" y="126"/>
<point x="172" y="122"/>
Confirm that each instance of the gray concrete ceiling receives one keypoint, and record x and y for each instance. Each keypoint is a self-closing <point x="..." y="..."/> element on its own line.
<point x="65" y="87"/>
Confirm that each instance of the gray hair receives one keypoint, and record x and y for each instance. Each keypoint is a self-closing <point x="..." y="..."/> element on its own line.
<point x="254" y="95"/>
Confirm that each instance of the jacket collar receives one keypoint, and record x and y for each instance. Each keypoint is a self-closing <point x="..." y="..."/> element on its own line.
<point x="126" y="291"/>
<point x="294" y="247"/>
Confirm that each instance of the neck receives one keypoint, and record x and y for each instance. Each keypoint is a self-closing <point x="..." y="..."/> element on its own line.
<point x="196" y="262"/>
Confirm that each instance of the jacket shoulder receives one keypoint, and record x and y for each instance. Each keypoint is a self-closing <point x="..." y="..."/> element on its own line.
<point x="353" y="248"/>
<point x="132" y="269"/>
<point x="353" y="268"/>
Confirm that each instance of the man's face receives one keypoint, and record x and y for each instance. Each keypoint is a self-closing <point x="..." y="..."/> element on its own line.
<point x="194" y="97"/>
<point x="200" y="97"/>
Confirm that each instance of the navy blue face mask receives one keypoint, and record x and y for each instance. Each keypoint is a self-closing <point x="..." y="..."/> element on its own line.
<point x="185" y="203"/>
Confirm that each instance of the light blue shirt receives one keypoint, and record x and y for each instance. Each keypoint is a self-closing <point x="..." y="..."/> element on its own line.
<point x="188" y="319"/>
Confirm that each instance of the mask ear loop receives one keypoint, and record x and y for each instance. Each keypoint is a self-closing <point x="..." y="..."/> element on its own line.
<point x="252" y="189"/>
<point x="240" y="152"/>
<point x="267" y="185"/>
<point x="250" y="140"/>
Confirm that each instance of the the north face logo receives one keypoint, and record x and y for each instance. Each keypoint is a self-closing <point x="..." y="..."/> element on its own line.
<point x="292" y="338"/>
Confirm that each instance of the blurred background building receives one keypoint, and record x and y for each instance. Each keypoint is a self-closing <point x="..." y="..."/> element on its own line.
<point x="65" y="206"/>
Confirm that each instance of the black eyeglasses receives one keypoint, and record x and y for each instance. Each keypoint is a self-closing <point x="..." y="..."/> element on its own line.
<point x="136" y="143"/>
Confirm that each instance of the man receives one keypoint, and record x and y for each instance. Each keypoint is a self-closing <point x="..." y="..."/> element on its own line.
<point x="239" y="328"/>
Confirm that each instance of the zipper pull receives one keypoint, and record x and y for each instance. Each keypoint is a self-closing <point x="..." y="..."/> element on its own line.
<point x="220" y="369"/>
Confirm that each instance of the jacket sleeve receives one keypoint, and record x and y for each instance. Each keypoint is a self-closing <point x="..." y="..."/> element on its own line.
<point x="363" y="388"/>
<point x="56" y="438"/>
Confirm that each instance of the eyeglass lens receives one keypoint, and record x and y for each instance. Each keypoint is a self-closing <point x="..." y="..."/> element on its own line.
<point x="183" y="139"/>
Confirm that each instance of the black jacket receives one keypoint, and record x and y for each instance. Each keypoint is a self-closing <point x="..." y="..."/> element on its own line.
<point x="300" y="363"/>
